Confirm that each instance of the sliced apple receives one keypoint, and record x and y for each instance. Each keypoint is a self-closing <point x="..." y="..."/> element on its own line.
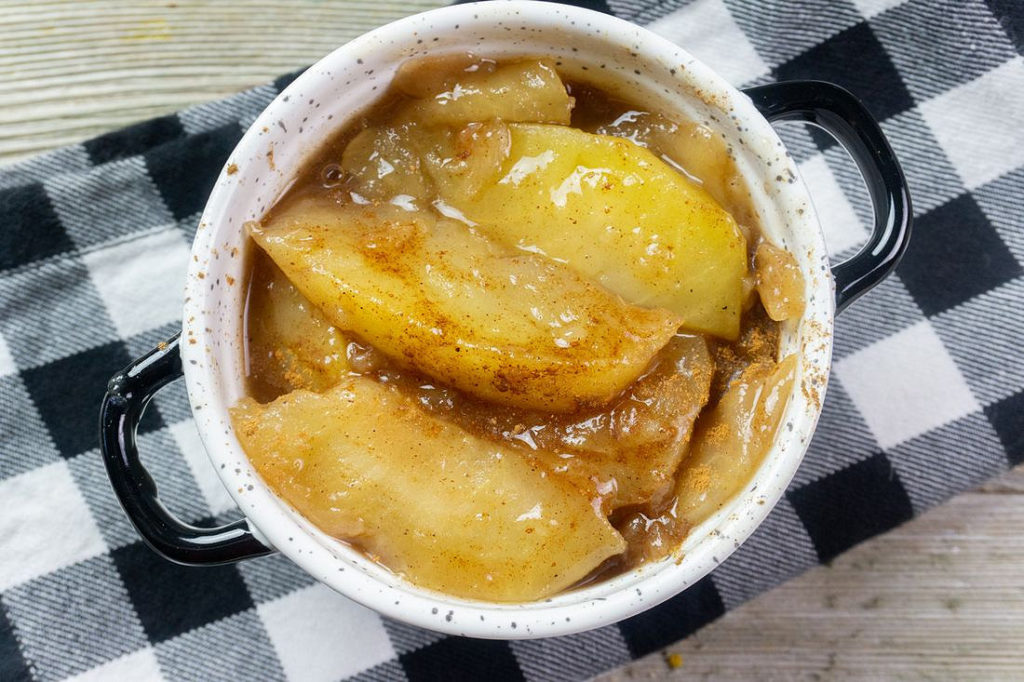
<point x="426" y="76"/>
<point x="527" y="91"/>
<point x="626" y="453"/>
<point x="619" y="215"/>
<point x="698" y="150"/>
<point x="630" y="452"/>
<point x="780" y="284"/>
<point x="407" y="162"/>
<point x="447" y="509"/>
<point x="732" y="440"/>
<point x="385" y="164"/>
<point x="290" y="344"/>
<point x="510" y="327"/>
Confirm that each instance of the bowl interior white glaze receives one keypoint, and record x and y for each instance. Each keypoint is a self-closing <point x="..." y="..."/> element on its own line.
<point x="645" y="69"/>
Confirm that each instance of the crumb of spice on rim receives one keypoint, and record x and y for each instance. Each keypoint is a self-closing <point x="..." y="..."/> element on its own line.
<point x="674" y="661"/>
<point x="232" y="168"/>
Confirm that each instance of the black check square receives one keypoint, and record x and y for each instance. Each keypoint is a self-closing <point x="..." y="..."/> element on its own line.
<point x="955" y="254"/>
<point x="171" y="599"/>
<point x="1011" y="18"/>
<point x="134" y="140"/>
<point x="474" y="659"/>
<point x="674" y="619"/>
<point x="282" y="82"/>
<point x="595" y="5"/>
<point x="855" y="60"/>
<point x="68" y="393"/>
<point x="185" y="170"/>
<point x="12" y="664"/>
<point x="851" y="505"/>
<point x="822" y="140"/>
<point x="1007" y="418"/>
<point x="31" y="229"/>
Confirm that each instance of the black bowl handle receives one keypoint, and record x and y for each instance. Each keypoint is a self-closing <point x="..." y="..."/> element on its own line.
<point x="128" y="393"/>
<point x="841" y="114"/>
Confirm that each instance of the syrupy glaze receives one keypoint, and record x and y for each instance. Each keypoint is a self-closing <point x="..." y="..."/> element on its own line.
<point x="631" y="455"/>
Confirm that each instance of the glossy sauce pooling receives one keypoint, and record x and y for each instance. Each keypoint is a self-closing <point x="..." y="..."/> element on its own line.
<point x="657" y="458"/>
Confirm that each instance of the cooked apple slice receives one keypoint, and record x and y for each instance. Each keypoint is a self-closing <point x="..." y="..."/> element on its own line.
<point x="629" y="453"/>
<point x="431" y="293"/>
<point x="779" y="282"/>
<point x="407" y="162"/>
<point x="426" y="76"/>
<point x="385" y="163"/>
<point x="695" y="148"/>
<point x="618" y="215"/>
<point x="460" y="163"/>
<point x="290" y="345"/>
<point x="528" y="91"/>
<point x="626" y="453"/>
<point x="731" y="441"/>
<point x="449" y="510"/>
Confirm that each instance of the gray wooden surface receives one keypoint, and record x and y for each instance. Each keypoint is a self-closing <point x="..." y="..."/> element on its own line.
<point x="940" y="598"/>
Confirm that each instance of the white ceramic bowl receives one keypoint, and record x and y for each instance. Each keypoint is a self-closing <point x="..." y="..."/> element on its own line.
<point x="649" y="70"/>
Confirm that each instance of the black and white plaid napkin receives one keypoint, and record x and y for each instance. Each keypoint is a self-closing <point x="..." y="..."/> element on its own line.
<point x="927" y="396"/>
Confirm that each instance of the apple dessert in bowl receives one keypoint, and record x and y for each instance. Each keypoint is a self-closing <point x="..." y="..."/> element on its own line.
<point x="514" y="336"/>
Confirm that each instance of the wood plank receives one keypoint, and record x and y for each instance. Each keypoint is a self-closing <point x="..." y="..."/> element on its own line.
<point x="941" y="597"/>
<point x="71" y="70"/>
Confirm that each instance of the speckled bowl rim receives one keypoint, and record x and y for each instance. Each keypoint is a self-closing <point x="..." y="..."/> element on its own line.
<point x="260" y="169"/>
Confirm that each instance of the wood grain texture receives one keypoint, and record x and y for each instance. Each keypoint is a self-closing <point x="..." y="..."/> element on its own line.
<point x="74" y="69"/>
<point x="942" y="597"/>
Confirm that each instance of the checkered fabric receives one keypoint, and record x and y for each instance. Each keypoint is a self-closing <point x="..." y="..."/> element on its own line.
<point x="926" y="398"/>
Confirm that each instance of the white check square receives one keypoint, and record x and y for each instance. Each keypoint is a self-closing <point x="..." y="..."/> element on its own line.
<point x="141" y="281"/>
<point x="870" y="8"/>
<point x="842" y="227"/>
<point x="320" y="635"/>
<point x="979" y="123"/>
<point x="45" y="525"/>
<point x="7" y="366"/>
<point x="140" y="666"/>
<point x="707" y="31"/>
<point x="906" y="384"/>
<point x="186" y="436"/>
